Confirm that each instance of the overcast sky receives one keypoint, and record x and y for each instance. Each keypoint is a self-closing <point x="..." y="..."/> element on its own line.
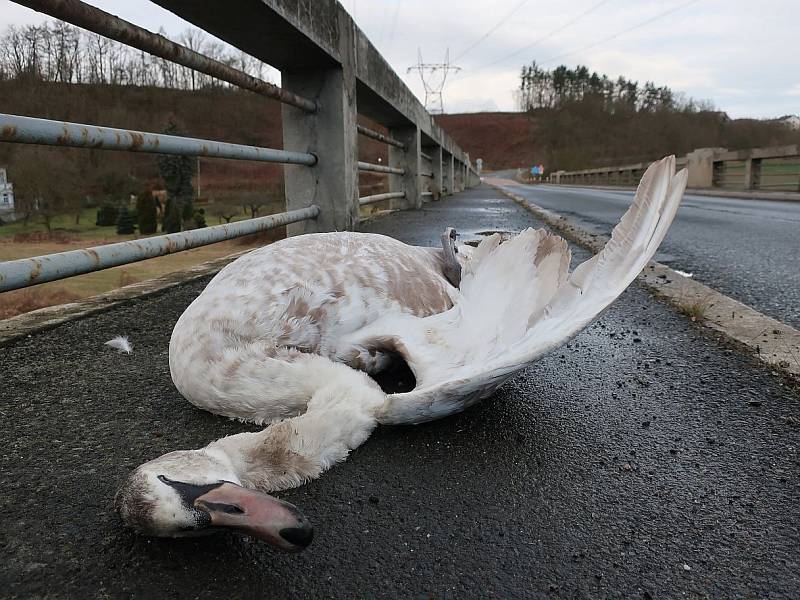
<point x="741" y="55"/>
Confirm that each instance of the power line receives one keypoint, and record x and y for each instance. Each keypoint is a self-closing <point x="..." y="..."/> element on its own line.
<point x="619" y="33"/>
<point x="499" y="24"/>
<point x="390" y="42"/>
<point x="593" y="44"/>
<point x="544" y="37"/>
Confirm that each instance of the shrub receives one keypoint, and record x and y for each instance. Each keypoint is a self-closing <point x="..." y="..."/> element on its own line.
<point x="106" y="215"/>
<point x="125" y="222"/>
<point x="200" y="218"/>
<point x="172" y="217"/>
<point x="146" y="213"/>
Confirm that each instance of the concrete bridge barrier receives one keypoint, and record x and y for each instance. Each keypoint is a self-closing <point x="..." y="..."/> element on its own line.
<point x="331" y="73"/>
<point x="775" y="169"/>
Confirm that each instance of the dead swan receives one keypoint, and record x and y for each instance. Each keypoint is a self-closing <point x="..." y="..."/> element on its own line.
<point x="289" y="333"/>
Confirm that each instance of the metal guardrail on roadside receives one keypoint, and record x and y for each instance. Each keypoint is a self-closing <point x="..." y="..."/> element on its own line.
<point x="320" y="170"/>
<point x="27" y="130"/>
<point x="364" y="200"/>
<point x="15" y="274"/>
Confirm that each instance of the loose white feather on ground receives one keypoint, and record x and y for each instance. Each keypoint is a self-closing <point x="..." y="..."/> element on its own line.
<point x="121" y="343"/>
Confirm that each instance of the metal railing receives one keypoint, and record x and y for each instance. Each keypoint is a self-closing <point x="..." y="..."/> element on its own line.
<point x="93" y="19"/>
<point x="323" y="125"/>
<point x="371" y="133"/>
<point x="364" y="200"/>
<point x="365" y="166"/>
<point x="15" y="274"/>
<point x="27" y="130"/>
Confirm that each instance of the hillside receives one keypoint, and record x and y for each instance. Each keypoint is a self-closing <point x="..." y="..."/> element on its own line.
<point x="581" y="136"/>
<point x="220" y="114"/>
<point x="578" y="135"/>
<point x="502" y="139"/>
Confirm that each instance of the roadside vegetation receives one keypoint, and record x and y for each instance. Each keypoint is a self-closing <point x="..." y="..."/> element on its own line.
<point x="586" y="119"/>
<point x="576" y="119"/>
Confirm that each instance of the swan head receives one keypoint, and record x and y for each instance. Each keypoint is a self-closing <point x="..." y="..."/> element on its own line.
<point x="195" y="492"/>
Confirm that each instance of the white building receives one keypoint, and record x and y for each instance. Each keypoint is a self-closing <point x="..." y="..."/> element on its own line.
<point x="6" y="193"/>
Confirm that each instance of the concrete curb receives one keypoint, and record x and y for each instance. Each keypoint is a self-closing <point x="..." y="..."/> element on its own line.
<point x="774" y="343"/>
<point x="746" y="195"/>
<point x="45" y="318"/>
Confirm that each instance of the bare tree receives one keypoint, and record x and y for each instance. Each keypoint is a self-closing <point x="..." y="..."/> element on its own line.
<point x="56" y="51"/>
<point x="224" y="211"/>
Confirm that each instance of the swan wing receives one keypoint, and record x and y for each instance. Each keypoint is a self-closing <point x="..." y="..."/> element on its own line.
<point x="517" y="301"/>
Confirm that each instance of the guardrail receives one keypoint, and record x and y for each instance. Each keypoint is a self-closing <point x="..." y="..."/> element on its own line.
<point x="330" y="74"/>
<point x="15" y="274"/>
<point x="775" y="169"/>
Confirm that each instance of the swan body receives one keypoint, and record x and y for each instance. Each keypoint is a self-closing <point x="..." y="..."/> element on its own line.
<point x="289" y="335"/>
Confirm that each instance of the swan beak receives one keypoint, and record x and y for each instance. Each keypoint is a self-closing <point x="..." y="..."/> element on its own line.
<point x="254" y="513"/>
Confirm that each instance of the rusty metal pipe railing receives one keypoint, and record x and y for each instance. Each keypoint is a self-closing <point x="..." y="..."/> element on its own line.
<point x="88" y="17"/>
<point x="16" y="274"/>
<point x="371" y="133"/>
<point x="365" y="166"/>
<point x="28" y="130"/>
<point x="364" y="200"/>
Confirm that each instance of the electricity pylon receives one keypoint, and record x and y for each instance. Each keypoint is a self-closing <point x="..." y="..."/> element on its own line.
<point x="433" y="76"/>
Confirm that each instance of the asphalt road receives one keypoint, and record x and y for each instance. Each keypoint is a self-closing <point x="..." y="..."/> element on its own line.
<point x="746" y="249"/>
<point x="642" y="460"/>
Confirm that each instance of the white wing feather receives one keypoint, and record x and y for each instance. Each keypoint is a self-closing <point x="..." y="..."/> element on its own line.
<point x="517" y="302"/>
<point x="121" y="343"/>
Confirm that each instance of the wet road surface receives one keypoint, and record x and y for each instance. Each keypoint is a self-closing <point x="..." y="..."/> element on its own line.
<point x="642" y="460"/>
<point x="746" y="249"/>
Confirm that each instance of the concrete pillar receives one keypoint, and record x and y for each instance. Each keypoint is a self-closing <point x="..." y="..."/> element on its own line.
<point x="459" y="177"/>
<point x="473" y="179"/>
<point x="752" y="173"/>
<point x="448" y="173"/>
<point x="700" y="163"/>
<point x="330" y="134"/>
<point x="410" y="160"/>
<point x="437" y="183"/>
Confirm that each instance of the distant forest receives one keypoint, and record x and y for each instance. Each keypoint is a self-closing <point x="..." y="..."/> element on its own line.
<point x="585" y="119"/>
<point x="562" y="86"/>
<point x="58" y="52"/>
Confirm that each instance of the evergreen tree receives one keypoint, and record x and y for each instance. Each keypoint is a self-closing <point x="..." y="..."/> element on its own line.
<point x="146" y="213"/>
<point x="172" y="217"/>
<point x="177" y="172"/>
<point x="125" y="222"/>
<point x="200" y="218"/>
<point x="106" y="215"/>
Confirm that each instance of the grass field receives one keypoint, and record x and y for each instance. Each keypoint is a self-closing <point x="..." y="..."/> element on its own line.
<point x="63" y="225"/>
<point x="20" y="241"/>
<point x="83" y="286"/>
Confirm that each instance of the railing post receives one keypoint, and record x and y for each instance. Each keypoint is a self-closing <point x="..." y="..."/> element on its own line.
<point x="410" y="161"/>
<point x="436" y="167"/>
<point x="752" y="173"/>
<point x="450" y="174"/>
<point x="330" y="134"/>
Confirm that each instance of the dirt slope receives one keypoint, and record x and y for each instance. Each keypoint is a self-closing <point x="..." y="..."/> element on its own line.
<point x="503" y="140"/>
